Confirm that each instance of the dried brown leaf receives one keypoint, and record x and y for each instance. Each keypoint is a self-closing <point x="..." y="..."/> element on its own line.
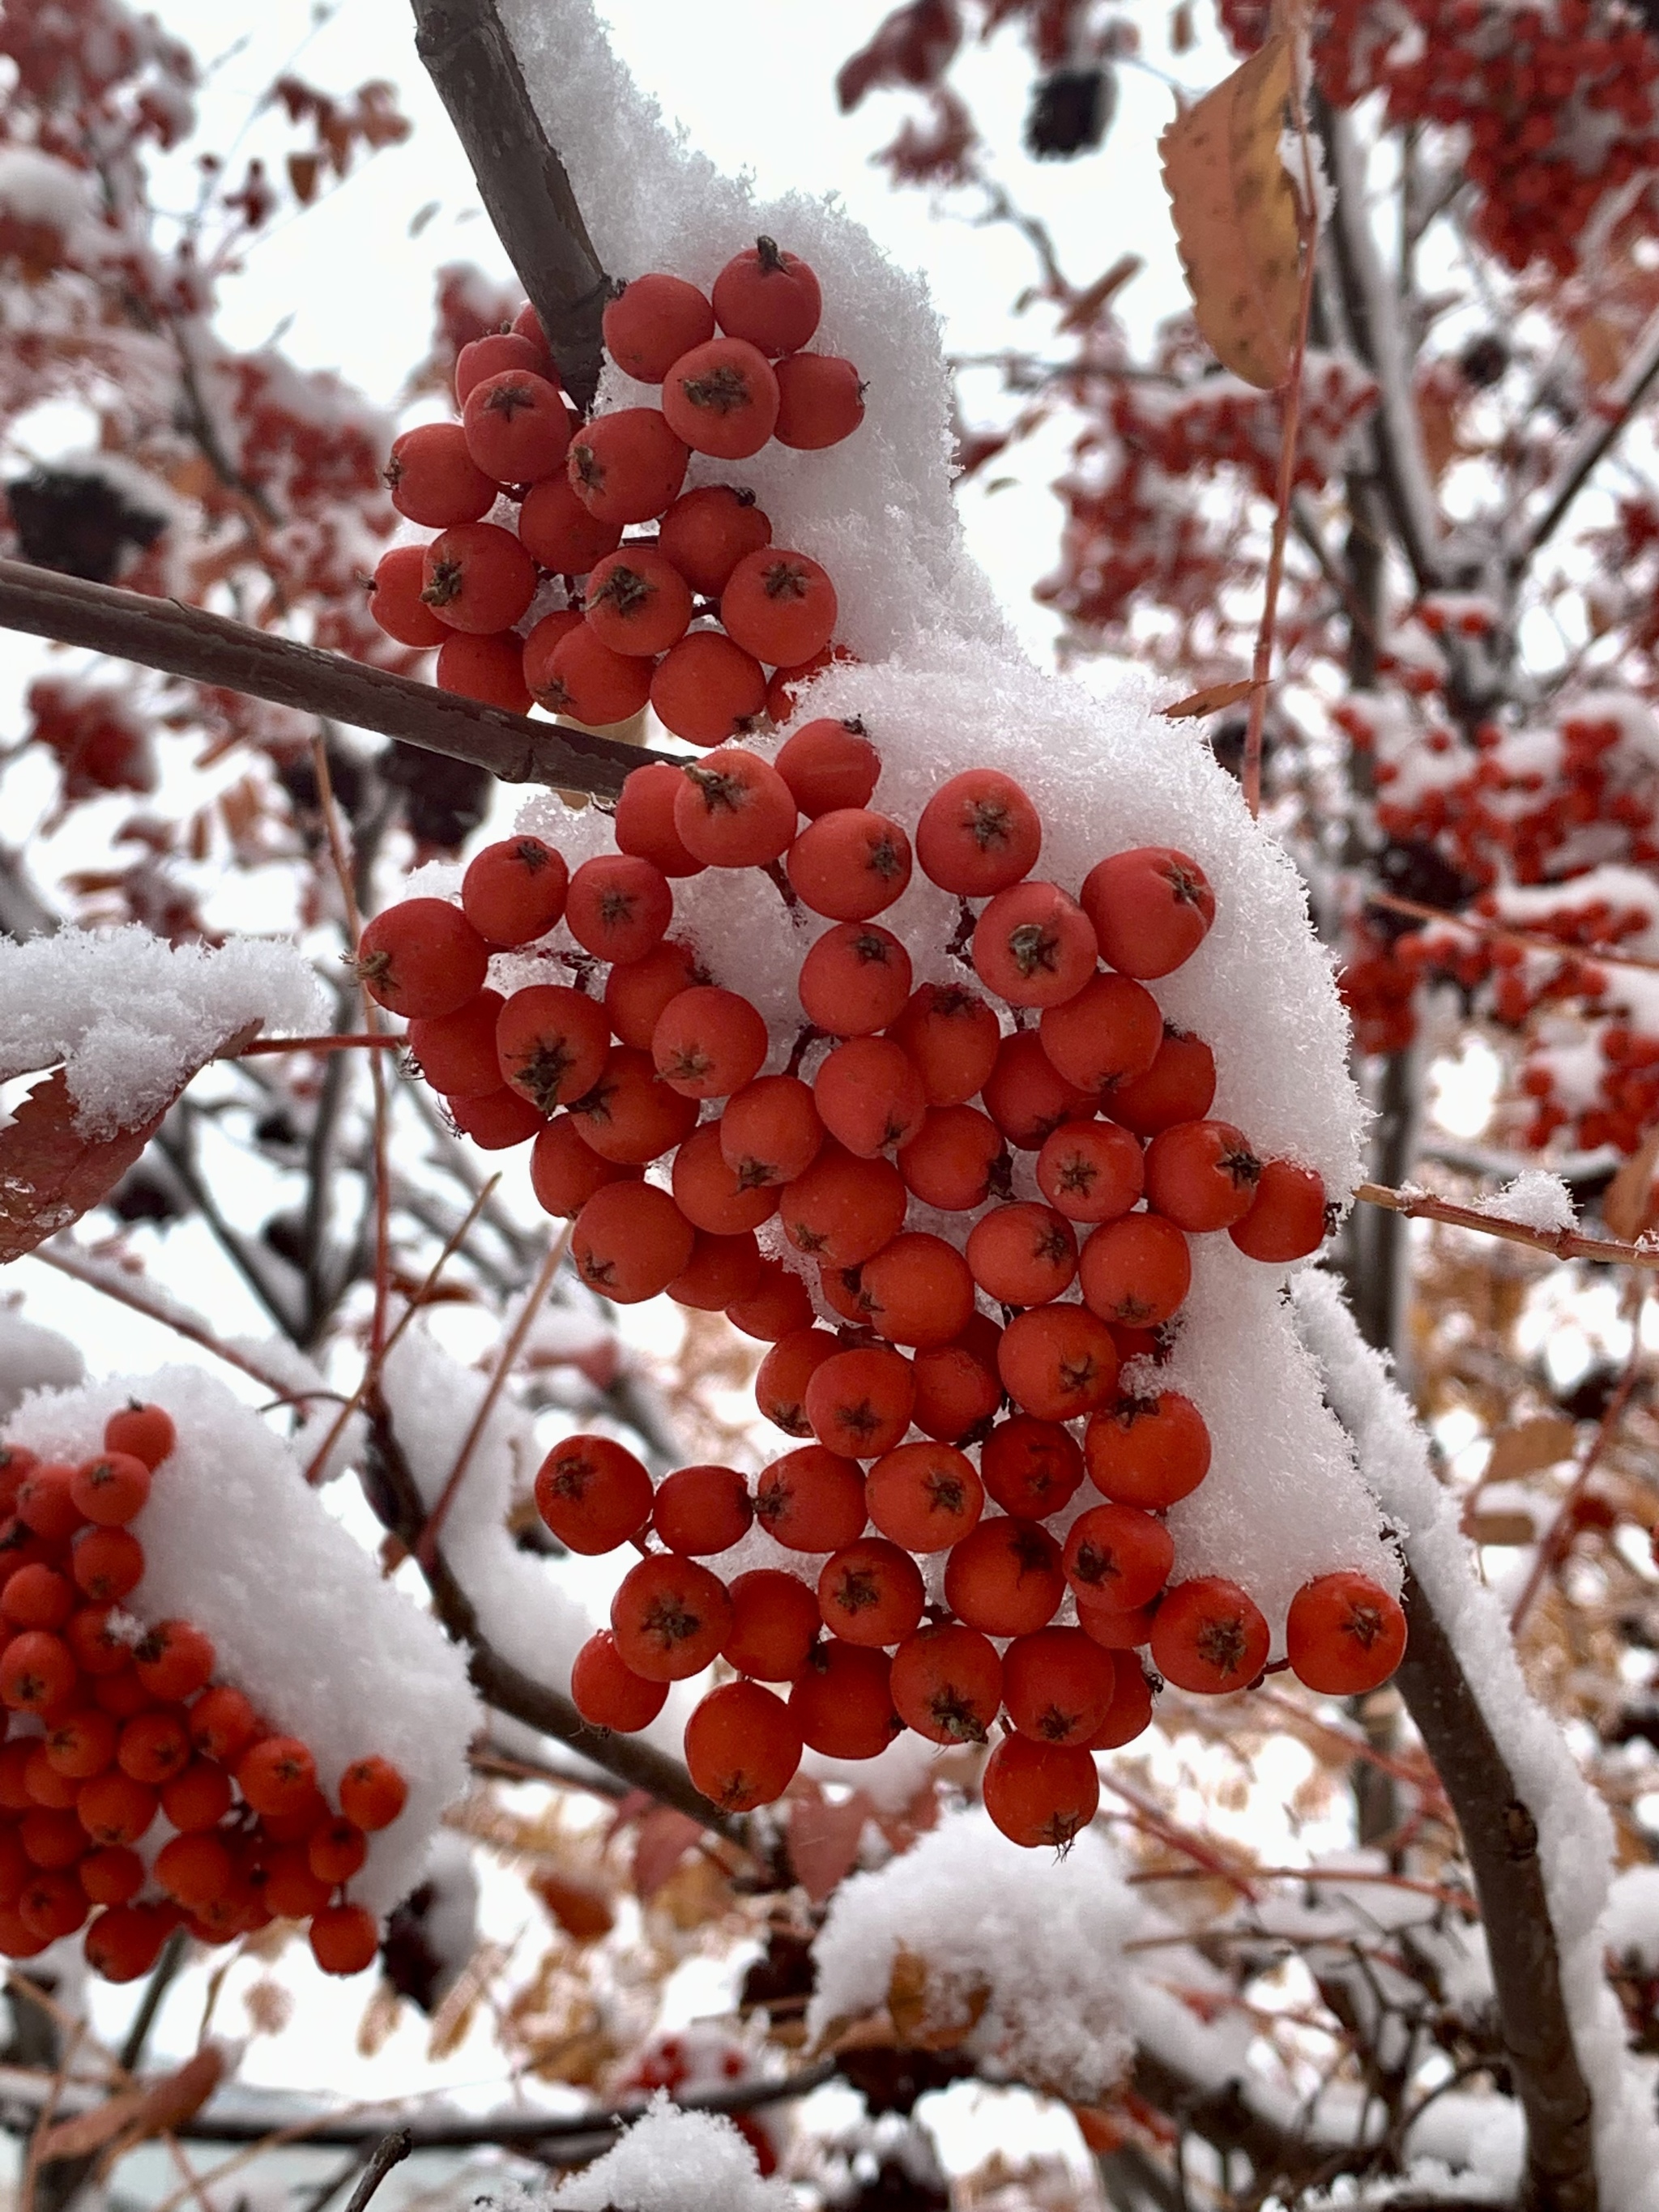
<point x="1512" y="1529"/>
<point x="1210" y="701"/>
<point x="154" y="2108"/>
<point x="1236" y="216"/>
<point x="823" y="1839"/>
<point x="1531" y="1445"/>
<point x="927" y="2015"/>
<point x="50" y="1174"/>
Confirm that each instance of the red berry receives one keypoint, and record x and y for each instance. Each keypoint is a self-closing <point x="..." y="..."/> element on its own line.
<point x="144" y="1431"/>
<point x="222" y="1724"/>
<point x="488" y="670"/>
<point x="1090" y="1171"/>
<point x="652" y="321"/>
<point x="1201" y="1176"/>
<point x="421" y="958"/>
<point x="1150" y="1452"/>
<point x="842" y="1700"/>
<point x="1057" y="1684"/>
<point x="1344" y="1635"/>
<point x="644" y="821"/>
<point x="495" y="1122"/>
<point x="779" y="606"/>
<point x="710" y="1194"/>
<point x="820" y="401"/>
<point x="586" y="680"/>
<point x="1040" y="1793"/>
<point x="1286" y="1219"/>
<point x="1209" y="1637"/>
<point x="627" y="465"/>
<point x="770" y="297"/>
<point x="37" y="1672"/>
<point x="870" y="1592"/>
<point x="770" y="1132"/>
<point x="850" y="864"/>
<point x="775" y="1624"/>
<point x="854" y="979"/>
<point x="829" y="766"/>
<point x="276" y="1775"/>
<point x="707" y="689"/>
<point x="1034" y="946"/>
<point x="609" y="1693"/>
<point x="110" y="1489"/>
<point x="1151" y="909"/>
<point x="551" y="1042"/>
<point x="336" y="1852"/>
<point x="123" y="1944"/>
<point x="953" y="1159"/>
<point x="699" y="1511"/>
<point x="859" y="1402"/>
<point x="868" y="1096"/>
<point x="636" y="602"/>
<point x="618" y="907"/>
<point x="1119" y="1555"/>
<point x="1130" y="1713"/>
<point x="592" y="1493"/>
<point x="106" y="1564"/>
<point x="1108" y="1033"/>
<point x="395" y="601"/>
<point x="1135" y="1271"/>
<point x="707" y="1043"/>
<point x="1031" y="1468"/>
<point x="946" y="1683"/>
<point x="636" y="991"/>
<point x="776" y="1308"/>
<point x="630" y="1116"/>
<point x="174" y="1660"/>
<point x="513" y="891"/>
<point x="1022" y="1254"/>
<point x="708" y="532"/>
<point x="1004" y="1577"/>
<point x="720" y="1273"/>
<point x="958" y="1386"/>
<point x="781" y="1380"/>
<point x="495" y="351"/>
<point x="810" y="1500"/>
<point x="456" y="1054"/>
<point x="435" y="480"/>
<point x="742" y="1744"/>
<point x="721" y="397"/>
<point x="978" y="833"/>
<point x="917" y="1291"/>
<point x="114" y="1809"/>
<point x="925" y="1497"/>
<point x="1027" y="1097"/>
<point x="1058" y="1362"/>
<point x="734" y="811"/>
<point x="345" y="1939"/>
<point x="842" y="1210"/>
<point x="517" y="426"/>
<point x="197" y="1798"/>
<point x="951" y="1035"/>
<point x="1179" y="1086"/>
<point x="670" y="1618"/>
<point x="629" y="1241"/>
<point x="559" y="533"/>
<point x="478" y="577"/>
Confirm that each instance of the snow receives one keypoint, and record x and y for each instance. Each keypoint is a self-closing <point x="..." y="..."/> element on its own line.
<point x="1038" y="1939"/>
<point x="297" y="1610"/>
<point x="1629" y="1927"/>
<point x="1535" y="1199"/>
<point x="667" y="2162"/>
<point x="33" y="1359"/>
<point x="131" y="1017"/>
<point x="1575" y="1833"/>
<point x="38" y="188"/>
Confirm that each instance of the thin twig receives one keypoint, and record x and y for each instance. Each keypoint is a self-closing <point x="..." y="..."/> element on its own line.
<point x="391" y="2150"/>
<point x="425" y="1549"/>
<point x="370" y="1040"/>
<point x="160" y="1307"/>
<point x="371" y="1373"/>
<point x="1561" y="1243"/>
<point x="161" y="1980"/>
<point x="1530" y="940"/>
<point x="1615" y="409"/>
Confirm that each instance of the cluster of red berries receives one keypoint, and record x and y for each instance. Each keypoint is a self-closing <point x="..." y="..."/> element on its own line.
<point x="99" y="742"/>
<point x="112" y="1727"/>
<point x="687" y="615"/>
<point x="1112" y="1106"/>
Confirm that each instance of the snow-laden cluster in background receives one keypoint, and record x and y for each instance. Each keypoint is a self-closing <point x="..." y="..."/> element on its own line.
<point x="1575" y="1832"/>
<point x="130" y="1019"/>
<point x="299" y="1615"/>
<point x="668" y="2161"/>
<point x="942" y="685"/>
<point x="33" y="1359"/>
<point x="1035" y="1945"/>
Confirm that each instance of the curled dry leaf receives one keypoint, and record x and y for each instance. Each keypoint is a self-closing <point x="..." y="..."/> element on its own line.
<point x="1210" y="701"/>
<point x="153" y="2108"/>
<point x="1235" y="218"/>
<point x="50" y="1174"/>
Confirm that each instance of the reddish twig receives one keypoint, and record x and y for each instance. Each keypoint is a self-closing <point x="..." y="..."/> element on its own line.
<point x="1377" y="1877"/>
<point x="426" y="1547"/>
<point x="1561" y="1243"/>
<point x="1147" y="1817"/>
<point x="370" y="1040"/>
<point x="1530" y="941"/>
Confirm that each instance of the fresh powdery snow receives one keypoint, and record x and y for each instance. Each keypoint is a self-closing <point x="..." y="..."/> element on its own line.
<point x="668" y="2162"/>
<point x="943" y="685"/>
<point x="297" y="1610"/>
<point x="1535" y="1199"/>
<point x="33" y="1359"/>
<point x="1037" y="1942"/>
<point x="130" y="1019"/>
<point x="1575" y="1834"/>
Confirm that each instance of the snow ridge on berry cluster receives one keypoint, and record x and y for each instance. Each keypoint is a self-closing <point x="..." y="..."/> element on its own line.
<point x="217" y="1714"/>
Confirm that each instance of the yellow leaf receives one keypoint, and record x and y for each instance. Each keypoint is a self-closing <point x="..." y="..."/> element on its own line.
<point x="926" y="2016"/>
<point x="1627" y="1202"/>
<point x="1235" y="217"/>
<point x="1528" y="1446"/>
<point x="1210" y="701"/>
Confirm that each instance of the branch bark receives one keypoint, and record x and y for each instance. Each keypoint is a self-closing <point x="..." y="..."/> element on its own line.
<point x="207" y="649"/>
<point x="520" y="179"/>
<point x="1501" y="1837"/>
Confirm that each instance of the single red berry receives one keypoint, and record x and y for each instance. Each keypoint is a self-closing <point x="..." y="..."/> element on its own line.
<point x="592" y="1493"/>
<point x="812" y="1500"/>
<point x="775" y="1624"/>
<point x="637" y="602"/>
<point x="1090" y="1171"/>
<point x="1108" y="1033"/>
<point x="1118" y="1554"/>
<point x="652" y="321"/>
<point x="487" y="669"/>
<point x="869" y="1097"/>
<point x="850" y="865"/>
<point x="1034" y="946"/>
<point x="345" y="1939"/>
<point x="820" y="401"/>
<point x="1040" y="1793"/>
<point x="276" y="1775"/>
<point x="829" y="765"/>
<point x="924" y="1496"/>
<point x="1151" y="909"/>
<point x="1286" y="1219"/>
<point x="551" y="1043"/>
<point x="842" y="1210"/>
<point x="1209" y="1637"/>
<point x="721" y="397"/>
<point x="670" y="1618"/>
<point x="586" y="680"/>
<point x="1135" y="1271"/>
<point x="1344" y="1635"/>
<point x="770" y="1132"/>
<point x="779" y="606"/>
<point x="709" y="1043"/>
<point x="559" y="533"/>
<point x="421" y="958"/>
<point x="699" y="1511"/>
<point x="707" y="689"/>
<point x="517" y="426"/>
<point x="395" y="601"/>
<point x="917" y="1291"/>
<point x="1057" y="1685"/>
<point x="742" y="1746"/>
<point x="842" y="1701"/>
<point x="1032" y="1468"/>
<point x="978" y="833"/>
<point x="145" y="1431"/>
<point x="627" y="465"/>
<point x="495" y="351"/>
<point x="854" y="979"/>
<point x="734" y="811"/>
<point x="478" y="577"/>
<point x="770" y="297"/>
<point x="1058" y="1362"/>
<point x="630" y="1241"/>
<point x="1179" y="1086"/>
<point x="513" y="891"/>
<point x="609" y="1694"/>
<point x="708" y="532"/>
<point x="870" y="1592"/>
<point x="434" y="479"/>
<point x="946" y="1683"/>
<point x="1201" y="1176"/>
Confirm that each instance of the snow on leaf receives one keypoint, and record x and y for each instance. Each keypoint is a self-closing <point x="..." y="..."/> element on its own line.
<point x="49" y="1175"/>
<point x="1235" y="216"/>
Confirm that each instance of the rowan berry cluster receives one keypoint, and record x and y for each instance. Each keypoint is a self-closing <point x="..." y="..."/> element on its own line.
<point x="116" y="1731"/>
<point x="688" y="613"/>
<point x="1056" y="1050"/>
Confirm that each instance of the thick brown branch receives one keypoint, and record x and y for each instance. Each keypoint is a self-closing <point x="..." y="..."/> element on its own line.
<point x="1501" y="1838"/>
<point x="520" y="178"/>
<point x="207" y="649"/>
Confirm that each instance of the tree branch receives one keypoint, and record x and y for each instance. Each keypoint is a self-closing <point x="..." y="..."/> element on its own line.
<point x="520" y="179"/>
<point x="207" y="649"/>
<point x="1563" y="1243"/>
<point x="1613" y="411"/>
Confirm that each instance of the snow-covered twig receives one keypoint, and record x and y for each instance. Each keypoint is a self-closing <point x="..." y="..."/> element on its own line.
<point x="1530" y="940"/>
<point x="1612" y="411"/>
<point x="1564" y="1243"/>
<point x="207" y="649"/>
